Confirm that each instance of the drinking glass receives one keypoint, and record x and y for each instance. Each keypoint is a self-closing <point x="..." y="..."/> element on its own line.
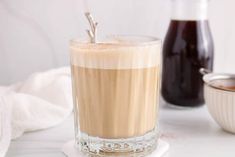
<point x="116" y="95"/>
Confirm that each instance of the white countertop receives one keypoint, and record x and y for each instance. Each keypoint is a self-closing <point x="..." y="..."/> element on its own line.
<point x="190" y="132"/>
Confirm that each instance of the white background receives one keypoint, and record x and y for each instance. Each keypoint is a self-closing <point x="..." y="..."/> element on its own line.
<point x="34" y="34"/>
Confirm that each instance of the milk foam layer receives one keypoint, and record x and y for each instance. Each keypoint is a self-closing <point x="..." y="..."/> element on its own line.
<point x="116" y="56"/>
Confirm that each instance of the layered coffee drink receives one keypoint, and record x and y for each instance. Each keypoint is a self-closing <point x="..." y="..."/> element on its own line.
<point x="116" y="94"/>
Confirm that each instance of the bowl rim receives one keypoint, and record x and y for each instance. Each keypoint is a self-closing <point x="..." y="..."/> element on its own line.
<point x="208" y="78"/>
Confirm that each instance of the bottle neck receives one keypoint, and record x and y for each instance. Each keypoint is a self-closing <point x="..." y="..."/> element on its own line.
<point x="189" y="10"/>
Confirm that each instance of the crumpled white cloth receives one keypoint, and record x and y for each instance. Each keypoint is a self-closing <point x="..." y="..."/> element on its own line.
<point x="42" y="101"/>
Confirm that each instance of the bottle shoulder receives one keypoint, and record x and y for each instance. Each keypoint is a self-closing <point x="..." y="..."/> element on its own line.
<point x="188" y="36"/>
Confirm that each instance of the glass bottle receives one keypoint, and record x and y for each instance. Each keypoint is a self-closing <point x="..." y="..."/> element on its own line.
<point x="188" y="46"/>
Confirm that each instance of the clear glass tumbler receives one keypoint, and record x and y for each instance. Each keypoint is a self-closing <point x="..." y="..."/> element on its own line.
<point x="116" y="95"/>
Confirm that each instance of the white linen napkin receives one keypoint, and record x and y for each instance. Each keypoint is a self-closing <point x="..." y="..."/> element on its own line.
<point x="42" y="101"/>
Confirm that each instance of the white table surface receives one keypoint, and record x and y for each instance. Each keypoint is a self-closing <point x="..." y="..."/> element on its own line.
<point x="190" y="132"/>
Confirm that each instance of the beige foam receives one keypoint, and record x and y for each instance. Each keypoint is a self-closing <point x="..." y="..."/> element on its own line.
<point x="116" y="56"/>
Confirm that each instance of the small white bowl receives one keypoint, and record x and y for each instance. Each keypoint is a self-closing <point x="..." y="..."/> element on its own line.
<point x="220" y="101"/>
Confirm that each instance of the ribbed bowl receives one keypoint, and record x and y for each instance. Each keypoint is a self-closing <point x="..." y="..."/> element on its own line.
<point x="221" y="105"/>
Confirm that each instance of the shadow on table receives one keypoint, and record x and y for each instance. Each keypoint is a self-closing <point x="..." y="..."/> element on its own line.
<point x="179" y="121"/>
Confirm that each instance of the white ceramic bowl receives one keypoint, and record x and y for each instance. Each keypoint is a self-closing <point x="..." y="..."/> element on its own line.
<point x="221" y="101"/>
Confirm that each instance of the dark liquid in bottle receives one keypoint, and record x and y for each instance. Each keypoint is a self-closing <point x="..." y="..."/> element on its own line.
<point x="188" y="46"/>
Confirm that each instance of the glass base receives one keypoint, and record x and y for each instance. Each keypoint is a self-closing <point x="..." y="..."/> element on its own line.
<point x="129" y="147"/>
